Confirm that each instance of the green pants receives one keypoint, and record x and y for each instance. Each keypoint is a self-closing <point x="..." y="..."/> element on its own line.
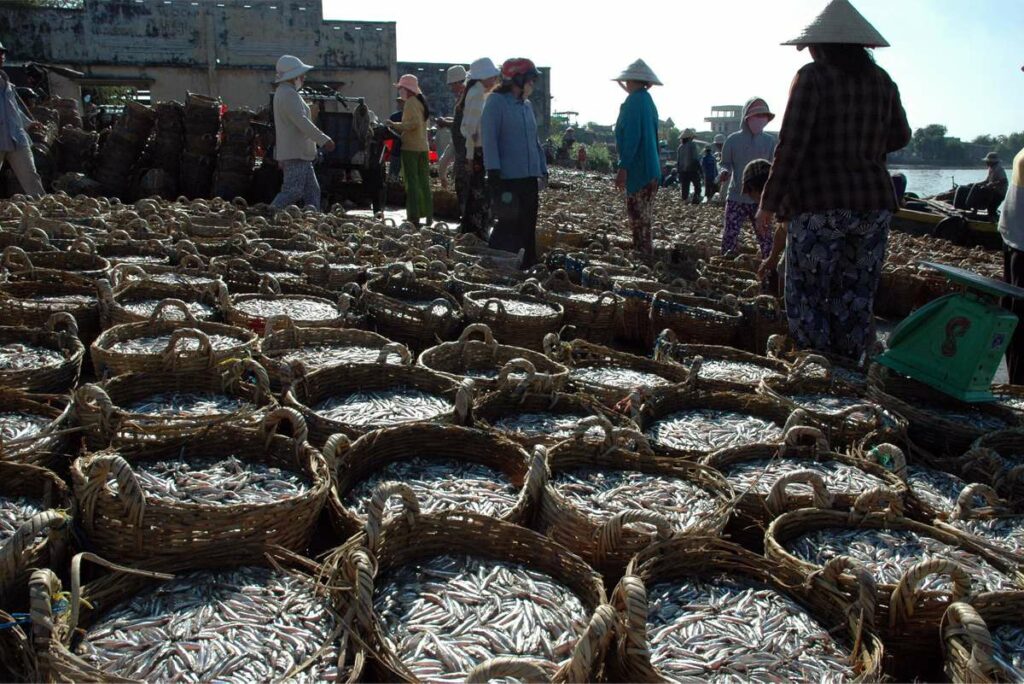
<point x="419" y="201"/>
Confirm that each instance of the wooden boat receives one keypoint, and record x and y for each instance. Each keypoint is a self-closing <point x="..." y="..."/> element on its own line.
<point x="932" y="217"/>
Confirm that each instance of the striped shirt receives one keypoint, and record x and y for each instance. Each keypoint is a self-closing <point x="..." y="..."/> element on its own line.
<point x="835" y="135"/>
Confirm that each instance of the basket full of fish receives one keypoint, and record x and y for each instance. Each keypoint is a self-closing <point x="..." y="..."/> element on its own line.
<point x="997" y="459"/>
<point x="409" y="311"/>
<point x="593" y="313"/>
<point x="988" y="522"/>
<point x="609" y="497"/>
<point x="251" y="311"/>
<point x="701" y="609"/>
<point x="458" y="596"/>
<point x="137" y="302"/>
<point x="138" y="407"/>
<point x="30" y="302"/>
<point x="519" y="319"/>
<point x="78" y="261"/>
<point x="719" y="369"/>
<point x="225" y="496"/>
<point x="983" y="639"/>
<point x="446" y="467"/>
<point x="35" y="429"/>
<point x="47" y="360"/>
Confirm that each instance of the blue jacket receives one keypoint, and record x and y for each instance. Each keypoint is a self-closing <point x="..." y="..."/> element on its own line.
<point x="636" y="136"/>
<point x="709" y="166"/>
<point x="12" y="120"/>
<point x="509" y="131"/>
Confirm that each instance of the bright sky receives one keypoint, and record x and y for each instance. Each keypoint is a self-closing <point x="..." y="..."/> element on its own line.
<point x="956" y="63"/>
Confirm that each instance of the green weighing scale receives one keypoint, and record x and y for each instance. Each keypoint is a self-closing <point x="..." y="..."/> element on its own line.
<point x="956" y="342"/>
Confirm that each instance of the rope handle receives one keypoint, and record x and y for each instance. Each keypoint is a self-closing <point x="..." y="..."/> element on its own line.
<point x="170" y="303"/>
<point x="963" y="620"/>
<point x="776" y="347"/>
<point x="907" y="592"/>
<point x="96" y="395"/>
<point x="965" y="509"/>
<point x="172" y="354"/>
<point x="98" y="470"/>
<point x="279" y="322"/>
<point x="13" y="551"/>
<point x="499" y="307"/>
<point x="83" y="245"/>
<point x="538" y="474"/>
<point x="518" y="364"/>
<point x="559" y="275"/>
<point x="236" y="370"/>
<point x="585" y="425"/>
<point x="464" y="401"/>
<point x="269" y="285"/>
<point x="531" y="288"/>
<point x="800" y="369"/>
<point x="609" y="535"/>
<point x="119" y="237"/>
<point x="378" y="504"/>
<point x="890" y="457"/>
<point x="189" y="261"/>
<point x="800" y="435"/>
<point x="334" y="447"/>
<point x="43" y="589"/>
<point x="779" y="500"/>
<point x="523" y="669"/>
<point x="630" y="599"/>
<point x="864" y="606"/>
<point x="76" y="580"/>
<point x="663" y="345"/>
<point x="479" y="328"/>
<point x="449" y="308"/>
<point x="14" y="257"/>
<point x="271" y="423"/>
<point x="64" y="323"/>
<point x="592" y="644"/>
<point x="879" y="500"/>
<point x="398" y="349"/>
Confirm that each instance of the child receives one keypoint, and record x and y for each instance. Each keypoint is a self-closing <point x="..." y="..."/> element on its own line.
<point x="755" y="175"/>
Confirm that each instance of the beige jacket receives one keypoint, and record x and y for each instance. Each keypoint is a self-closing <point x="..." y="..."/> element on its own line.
<point x="296" y="136"/>
<point x="413" y="127"/>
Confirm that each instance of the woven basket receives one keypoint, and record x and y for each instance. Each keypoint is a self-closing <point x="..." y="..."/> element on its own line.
<point x="47" y="446"/>
<point x="607" y="545"/>
<point x="514" y="329"/>
<point x="580" y="355"/>
<point x="416" y="537"/>
<point x="667" y="403"/>
<point x="593" y="313"/>
<point x="31" y="303"/>
<point x="486" y="257"/>
<point x="132" y="527"/>
<point x="818" y="364"/>
<point x="763" y="316"/>
<point x="242" y="319"/>
<point x="190" y="271"/>
<point x="906" y="615"/>
<point x="60" y="335"/>
<point x="755" y="510"/>
<point x="465" y="278"/>
<point x="360" y="460"/>
<point x="709" y="558"/>
<point x="175" y="356"/>
<point x="396" y="303"/>
<point x="693" y="357"/>
<point x="121" y="248"/>
<point x="970" y="653"/>
<point x="996" y="460"/>
<point x="967" y="511"/>
<point x="634" y="326"/>
<point x="40" y="541"/>
<point x="79" y="263"/>
<point x="337" y="381"/>
<point x="471" y="359"/>
<point x="939" y="435"/>
<point x="697" y="319"/>
<point x="105" y="421"/>
<point x="114" y="304"/>
<point x="55" y="627"/>
<point x="336" y="273"/>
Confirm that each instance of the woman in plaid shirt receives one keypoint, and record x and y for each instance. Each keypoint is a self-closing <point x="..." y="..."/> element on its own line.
<point x="829" y="179"/>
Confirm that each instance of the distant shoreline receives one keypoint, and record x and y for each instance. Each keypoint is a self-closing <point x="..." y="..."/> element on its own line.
<point x="912" y="165"/>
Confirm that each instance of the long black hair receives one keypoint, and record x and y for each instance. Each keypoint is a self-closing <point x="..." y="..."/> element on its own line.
<point x="426" y="107"/>
<point x="848" y="58"/>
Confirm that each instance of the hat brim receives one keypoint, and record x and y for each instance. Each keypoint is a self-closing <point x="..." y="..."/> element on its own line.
<point x="414" y="91"/>
<point x="483" y="76"/>
<point x="293" y="74"/>
<point x="643" y="78"/>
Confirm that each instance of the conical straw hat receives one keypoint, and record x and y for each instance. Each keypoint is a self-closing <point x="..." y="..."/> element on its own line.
<point x="839" y="22"/>
<point x="638" y="71"/>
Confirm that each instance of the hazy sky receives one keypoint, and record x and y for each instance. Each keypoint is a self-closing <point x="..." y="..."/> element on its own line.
<point x="957" y="62"/>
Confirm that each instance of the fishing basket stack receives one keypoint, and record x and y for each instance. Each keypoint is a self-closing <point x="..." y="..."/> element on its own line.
<point x="202" y="126"/>
<point x="76" y="150"/>
<point x="168" y="143"/>
<point x="122" y="149"/>
<point x="236" y="159"/>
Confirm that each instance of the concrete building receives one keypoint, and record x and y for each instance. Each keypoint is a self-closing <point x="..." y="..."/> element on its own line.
<point x="224" y="48"/>
<point x="432" y="82"/>
<point x="725" y="119"/>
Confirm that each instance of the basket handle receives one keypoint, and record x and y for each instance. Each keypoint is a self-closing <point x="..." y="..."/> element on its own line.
<point x="43" y="587"/>
<point x="12" y="553"/>
<point x="83" y="245"/>
<point x="39" y="234"/>
<point x="464" y="401"/>
<point x="730" y="303"/>
<point x="965" y="509"/>
<point x="14" y="257"/>
<point x="766" y="302"/>
<point x="797" y="435"/>
<point x="378" y="504"/>
<point x="119" y="237"/>
<point x="479" y="328"/>
<point x="190" y="261"/>
<point x="630" y="599"/>
<point x="862" y="609"/>
<point x="879" y="500"/>
<point x="609" y="535"/>
<point x="269" y="285"/>
<point x="559" y="275"/>
<point x="518" y="364"/>
<point x="592" y="643"/>
<point x="63" y="322"/>
<point x="905" y="595"/>
<point x="584" y="426"/>
<point x="800" y="368"/>
<point x="798" y="418"/>
<point x="664" y="343"/>
<point x="499" y="308"/>
<point x="283" y="414"/>
<point x="449" y="309"/>
<point x="508" y="666"/>
<point x="395" y="348"/>
<point x="894" y="455"/>
<point x="334" y="446"/>
<point x="538" y="474"/>
<point x="172" y="354"/>
<point x="94" y="394"/>
<point x="779" y="500"/>
<point x="76" y="580"/>
<point x="531" y="288"/>
<point x="236" y="369"/>
<point x="171" y="303"/>
<point x="279" y="322"/>
<point x="963" y="620"/>
<point x="776" y="346"/>
<point x="97" y="470"/>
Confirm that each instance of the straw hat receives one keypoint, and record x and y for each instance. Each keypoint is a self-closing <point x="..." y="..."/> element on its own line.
<point x="839" y="22"/>
<point x="410" y="83"/>
<point x="639" y="71"/>
<point x="290" y="67"/>
<point x="688" y="133"/>
<point x="991" y="157"/>
<point x="482" y="69"/>
<point x="455" y="74"/>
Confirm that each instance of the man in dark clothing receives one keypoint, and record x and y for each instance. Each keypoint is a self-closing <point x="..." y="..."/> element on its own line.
<point x="688" y="164"/>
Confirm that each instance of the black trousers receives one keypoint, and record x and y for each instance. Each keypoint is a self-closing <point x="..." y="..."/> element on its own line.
<point x="514" y="206"/>
<point x="685" y="179"/>
<point x="1013" y="273"/>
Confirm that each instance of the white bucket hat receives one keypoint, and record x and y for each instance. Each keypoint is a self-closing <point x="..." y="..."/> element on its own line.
<point x="455" y="74"/>
<point x="839" y="22"/>
<point x="481" y="69"/>
<point x="639" y="71"/>
<point x="289" y="67"/>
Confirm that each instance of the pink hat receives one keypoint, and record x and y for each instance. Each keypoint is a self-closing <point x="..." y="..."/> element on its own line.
<point x="409" y="82"/>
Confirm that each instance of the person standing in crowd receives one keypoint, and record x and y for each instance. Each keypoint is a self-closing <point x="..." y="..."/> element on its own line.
<point x="296" y="137"/>
<point x="15" y="145"/>
<point x="581" y="157"/>
<point x="443" y="147"/>
<point x="476" y="209"/>
<point x="419" y="200"/>
<point x="636" y="138"/>
<point x="515" y="162"/>
<point x="829" y="179"/>
<point x="1011" y="227"/>
<point x="741" y="148"/>
<point x="709" y="168"/>
<point x="455" y="152"/>
<point x="395" y="156"/>
<point x="719" y="144"/>
<point x="688" y="163"/>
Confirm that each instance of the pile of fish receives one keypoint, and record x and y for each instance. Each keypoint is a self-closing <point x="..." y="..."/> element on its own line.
<point x="1008" y="643"/>
<point x="373" y="409"/>
<point x="735" y="371"/>
<point x="936" y="489"/>
<point x="446" y="615"/>
<point x="187" y="405"/>
<point x="155" y="344"/>
<point x="708" y="430"/>
<point x="760" y="475"/>
<point x="298" y="309"/>
<point x="616" y="376"/>
<point x="320" y="355"/>
<point x="728" y="630"/>
<point x="216" y="481"/>
<point x="145" y="307"/>
<point x="15" y="427"/>
<point x="528" y="424"/>
<point x="18" y="357"/>
<point x="14" y="511"/>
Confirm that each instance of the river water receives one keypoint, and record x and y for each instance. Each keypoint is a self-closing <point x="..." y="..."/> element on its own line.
<point x="927" y="182"/>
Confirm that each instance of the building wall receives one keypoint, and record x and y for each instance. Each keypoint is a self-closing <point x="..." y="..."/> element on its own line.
<point x="226" y="48"/>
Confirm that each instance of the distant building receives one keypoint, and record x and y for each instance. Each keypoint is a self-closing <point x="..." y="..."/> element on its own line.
<point x="725" y="119"/>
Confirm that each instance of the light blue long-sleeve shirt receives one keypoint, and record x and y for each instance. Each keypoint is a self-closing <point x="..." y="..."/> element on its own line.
<point x="636" y="138"/>
<point x="12" y="121"/>
<point x="508" y="128"/>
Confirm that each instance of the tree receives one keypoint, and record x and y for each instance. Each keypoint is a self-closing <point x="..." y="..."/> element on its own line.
<point x="929" y="143"/>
